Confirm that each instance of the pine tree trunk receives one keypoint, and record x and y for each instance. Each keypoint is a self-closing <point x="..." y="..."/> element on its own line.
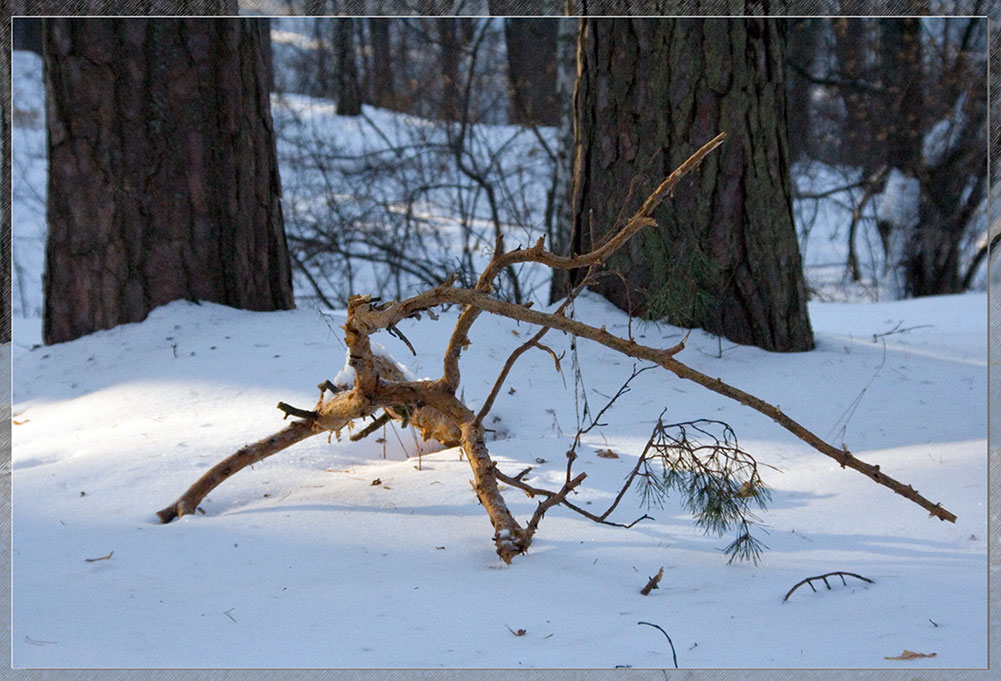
<point x="724" y="256"/>
<point x="163" y="178"/>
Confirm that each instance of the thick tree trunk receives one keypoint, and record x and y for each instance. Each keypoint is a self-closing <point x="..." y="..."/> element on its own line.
<point x="163" y="178"/>
<point x="725" y="255"/>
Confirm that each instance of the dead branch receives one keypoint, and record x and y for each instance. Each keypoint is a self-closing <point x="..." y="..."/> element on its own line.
<point x="665" y="358"/>
<point x="432" y="407"/>
<point x="653" y="583"/>
<point x="810" y="580"/>
<point x="188" y="502"/>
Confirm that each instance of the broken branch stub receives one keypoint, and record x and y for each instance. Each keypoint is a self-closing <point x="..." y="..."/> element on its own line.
<point x="381" y="391"/>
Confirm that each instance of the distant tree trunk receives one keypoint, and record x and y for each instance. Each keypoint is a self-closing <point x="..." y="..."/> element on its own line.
<point x="724" y="255"/>
<point x="382" y="64"/>
<point x="559" y="222"/>
<point x="347" y="92"/>
<point x="952" y="190"/>
<point x="858" y="131"/>
<point x="531" y="69"/>
<point x="5" y="212"/>
<point x="113" y="7"/>
<point x="163" y="178"/>
<point x="903" y="79"/>
<point x="320" y="82"/>
<point x="449" y="56"/>
<point x="803" y="41"/>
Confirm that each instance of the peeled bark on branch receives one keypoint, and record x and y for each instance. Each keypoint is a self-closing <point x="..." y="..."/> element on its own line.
<point x="433" y="408"/>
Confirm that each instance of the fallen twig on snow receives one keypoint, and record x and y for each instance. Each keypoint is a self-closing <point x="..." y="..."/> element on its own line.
<point x="653" y="583"/>
<point x="810" y="580"/>
<point x="673" y="653"/>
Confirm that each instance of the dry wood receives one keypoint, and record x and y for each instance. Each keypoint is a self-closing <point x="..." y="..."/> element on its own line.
<point x="432" y="407"/>
<point x="653" y="583"/>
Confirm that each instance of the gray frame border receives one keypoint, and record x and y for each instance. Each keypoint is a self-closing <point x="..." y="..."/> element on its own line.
<point x="530" y="7"/>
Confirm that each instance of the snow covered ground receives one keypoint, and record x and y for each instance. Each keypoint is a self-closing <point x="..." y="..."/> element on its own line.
<point x="306" y="561"/>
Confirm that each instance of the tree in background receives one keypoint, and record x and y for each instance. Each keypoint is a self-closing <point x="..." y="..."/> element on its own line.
<point x="725" y="255"/>
<point x="163" y="179"/>
<point x="904" y="101"/>
<point x="382" y="90"/>
<point x="347" y="92"/>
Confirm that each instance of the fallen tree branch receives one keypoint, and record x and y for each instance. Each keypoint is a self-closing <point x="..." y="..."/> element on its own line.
<point x="251" y="454"/>
<point x="431" y="406"/>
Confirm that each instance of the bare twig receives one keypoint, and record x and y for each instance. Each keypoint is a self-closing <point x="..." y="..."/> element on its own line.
<point x="673" y="653"/>
<point x="94" y="560"/>
<point x="809" y="581"/>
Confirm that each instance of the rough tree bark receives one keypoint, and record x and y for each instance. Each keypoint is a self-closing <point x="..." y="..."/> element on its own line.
<point x="163" y="177"/>
<point x="433" y="407"/>
<point x="726" y="256"/>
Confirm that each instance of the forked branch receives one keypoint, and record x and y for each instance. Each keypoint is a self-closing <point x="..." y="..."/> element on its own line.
<point x="431" y="406"/>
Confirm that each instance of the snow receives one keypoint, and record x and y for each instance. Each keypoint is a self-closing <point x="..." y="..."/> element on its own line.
<point x="304" y="560"/>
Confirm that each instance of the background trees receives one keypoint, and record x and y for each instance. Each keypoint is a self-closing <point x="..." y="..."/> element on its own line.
<point x="847" y="115"/>
<point x="163" y="179"/>
<point x="904" y="101"/>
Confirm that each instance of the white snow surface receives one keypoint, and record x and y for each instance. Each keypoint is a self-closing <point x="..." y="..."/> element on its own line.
<point x="305" y="560"/>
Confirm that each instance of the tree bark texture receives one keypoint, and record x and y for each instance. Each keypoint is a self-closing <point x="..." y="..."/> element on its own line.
<point x="724" y="256"/>
<point x="163" y="180"/>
